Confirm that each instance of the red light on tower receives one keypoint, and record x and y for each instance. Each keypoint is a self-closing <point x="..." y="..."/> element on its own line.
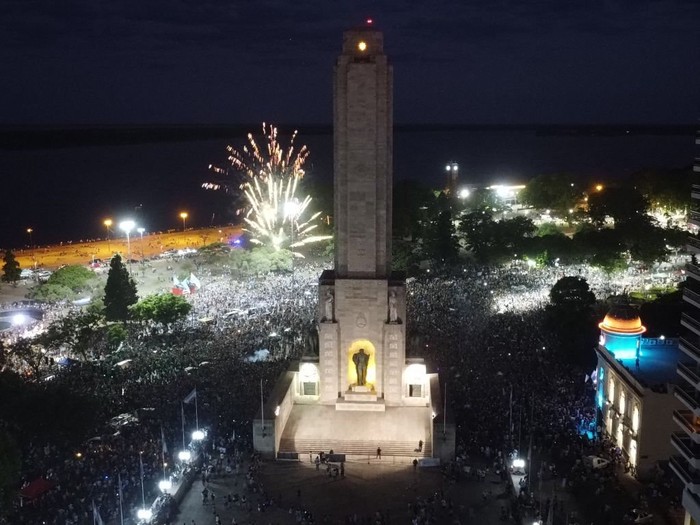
<point x="369" y="21"/>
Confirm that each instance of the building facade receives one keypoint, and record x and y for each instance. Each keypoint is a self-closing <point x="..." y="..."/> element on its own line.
<point x="686" y="438"/>
<point x="635" y="399"/>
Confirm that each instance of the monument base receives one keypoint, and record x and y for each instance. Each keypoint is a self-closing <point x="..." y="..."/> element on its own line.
<point x="362" y="397"/>
<point x="359" y="406"/>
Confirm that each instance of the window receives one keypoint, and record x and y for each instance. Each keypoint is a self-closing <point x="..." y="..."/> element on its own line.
<point x="415" y="390"/>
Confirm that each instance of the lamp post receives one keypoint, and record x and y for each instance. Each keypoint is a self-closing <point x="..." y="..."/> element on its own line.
<point x="143" y="513"/>
<point x="29" y="231"/>
<point x="108" y="225"/>
<point x="127" y="226"/>
<point x="183" y="216"/>
<point x="143" y="268"/>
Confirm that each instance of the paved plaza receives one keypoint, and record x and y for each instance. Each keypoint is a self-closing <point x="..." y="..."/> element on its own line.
<point x="385" y="485"/>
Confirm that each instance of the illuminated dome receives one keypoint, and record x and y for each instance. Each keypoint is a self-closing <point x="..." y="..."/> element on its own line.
<point x="623" y="320"/>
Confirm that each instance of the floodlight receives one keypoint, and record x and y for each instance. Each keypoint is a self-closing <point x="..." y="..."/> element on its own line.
<point x="165" y="485"/>
<point x="184" y="455"/>
<point x="197" y="435"/>
<point x="144" y="514"/>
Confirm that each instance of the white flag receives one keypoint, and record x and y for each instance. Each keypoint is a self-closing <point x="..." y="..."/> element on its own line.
<point x="191" y="396"/>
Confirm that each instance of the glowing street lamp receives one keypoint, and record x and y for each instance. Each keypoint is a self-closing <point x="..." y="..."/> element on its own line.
<point x="108" y="224"/>
<point x="144" y="514"/>
<point x="29" y="231"/>
<point x="183" y="216"/>
<point x="184" y="455"/>
<point x="165" y="485"/>
<point x="197" y="435"/>
<point x="599" y="187"/>
<point x="127" y="226"/>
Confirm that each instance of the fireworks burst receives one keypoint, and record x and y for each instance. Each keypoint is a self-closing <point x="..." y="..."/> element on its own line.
<point x="275" y="215"/>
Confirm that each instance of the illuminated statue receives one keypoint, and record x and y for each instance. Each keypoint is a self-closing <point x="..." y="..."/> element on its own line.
<point x="329" y="306"/>
<point x="361" y="360"/>
<point x="393" y="311"/>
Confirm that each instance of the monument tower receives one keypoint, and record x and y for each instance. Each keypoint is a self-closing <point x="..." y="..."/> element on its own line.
<point x="362" y="307"/>
<point x="360" y="391"/>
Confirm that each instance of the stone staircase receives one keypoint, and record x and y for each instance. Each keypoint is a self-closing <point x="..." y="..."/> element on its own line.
<point x="355" y="447"/>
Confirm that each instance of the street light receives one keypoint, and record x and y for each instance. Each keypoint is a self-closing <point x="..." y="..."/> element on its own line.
<point x="127" y="226"/>
<point x="144" y="514"/>
<point x="108" y="225"/>
<point x="29" y="231"/>
<point x="165" y="485"/>
<point x="141" y="230"/>
<point x="184" y="455"/>
<point x="197" y="435"/>
<point x="183" y="216"/>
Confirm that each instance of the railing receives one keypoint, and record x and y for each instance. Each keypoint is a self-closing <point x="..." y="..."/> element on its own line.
<point x="684" y="472"/>
<point x="691" y="322"/>
<point x="687" y="398"/>
<point x="695" y="216"/>
<point x="695" y="243"/>
<point x="690" y="373"/>
<point x="684" y="418"/>
<point x="696" y="187"/>
<point x="685" y="445"/>
<point x="693" y="347"/>
<point x="690" y="294"/>
<point x="692" y="269"/>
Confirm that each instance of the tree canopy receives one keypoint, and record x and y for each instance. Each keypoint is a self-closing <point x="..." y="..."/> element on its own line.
<point x="559" y="192"/>
<point x="10" y="269"/>
<point x="164" y="309"/>
<point x="120" y="291"/>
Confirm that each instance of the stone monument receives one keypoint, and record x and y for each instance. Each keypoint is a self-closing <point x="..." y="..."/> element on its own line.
<point x="361" y="378"/>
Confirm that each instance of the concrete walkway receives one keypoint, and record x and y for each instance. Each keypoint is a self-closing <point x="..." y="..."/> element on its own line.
<point x="380" y="485"/>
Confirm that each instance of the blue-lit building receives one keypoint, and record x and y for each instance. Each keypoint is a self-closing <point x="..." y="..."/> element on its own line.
<point x="634" y="396"/>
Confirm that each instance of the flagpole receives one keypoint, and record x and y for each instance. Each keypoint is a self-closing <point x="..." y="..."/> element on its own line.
<point x="444" y="414"/>
<point x="143" y="491"/>
<point x="510" y="424"/>
<point x="182" y="418"/>
<point x="196" y="413"/>
<point x="121" y="510"/>
<point x="162" y="449"/>
<point x="262" y="408"/>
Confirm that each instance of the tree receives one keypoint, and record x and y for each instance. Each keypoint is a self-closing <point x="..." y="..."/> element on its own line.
<point x="66" y="284"/>
<point x="572" y="293"/>
<point x="441" y="242"/>
<point x="10" y="270"/>
<point x="570" y="317"/>
<point x="558" y="192"/>
<point x="624" y="205"/>
<point x="412" y="201"/>
<point x="120" y="291"/>
<point x="164" y="309"/>
<point x="10" y="464"/>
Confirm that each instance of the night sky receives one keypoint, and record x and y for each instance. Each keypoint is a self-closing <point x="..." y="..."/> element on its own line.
<point x="213" y="61"/>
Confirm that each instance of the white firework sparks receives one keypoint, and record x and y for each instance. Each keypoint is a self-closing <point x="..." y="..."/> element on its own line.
<point x="276" y="215"/>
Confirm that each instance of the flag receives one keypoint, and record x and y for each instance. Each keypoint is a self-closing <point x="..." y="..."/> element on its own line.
<point x="96" y="518"/>
<point x="192" y="395"/>
<point x="162" y="438"/>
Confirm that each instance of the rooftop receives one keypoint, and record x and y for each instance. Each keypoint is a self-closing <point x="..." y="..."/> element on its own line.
<point x="657" y="363"/>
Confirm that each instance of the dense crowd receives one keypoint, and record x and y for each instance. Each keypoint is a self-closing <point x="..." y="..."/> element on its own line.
<point x="483" y="328"/>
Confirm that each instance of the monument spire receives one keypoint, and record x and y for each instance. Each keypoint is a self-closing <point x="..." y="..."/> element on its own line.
<point x="362" y="156"/>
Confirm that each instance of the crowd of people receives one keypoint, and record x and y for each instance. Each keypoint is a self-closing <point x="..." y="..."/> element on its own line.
<point x="483" y="328"/>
